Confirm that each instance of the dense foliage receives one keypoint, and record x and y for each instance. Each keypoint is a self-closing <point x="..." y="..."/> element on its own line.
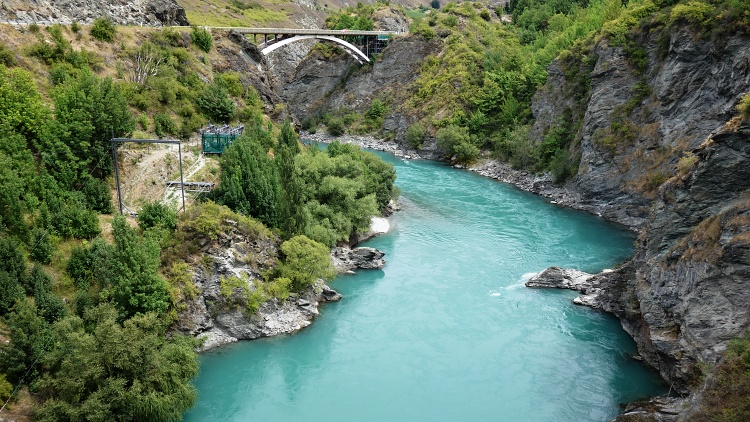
<point x="326" y="195"/>
<point x="474" y="93"/>
<point x="55" y="161"/>
<point x="100" y="369"/>
<point x="103" y="30"/>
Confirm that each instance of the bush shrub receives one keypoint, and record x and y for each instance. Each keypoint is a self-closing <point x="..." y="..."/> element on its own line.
<point x="164" y="125"/>
<point x="6" y="56"/>
<point x="694" y="12"/>
<point x="415" y="135"/>
<point x="216" y="104"/>
<point x="103" y="30"/>
<point x="335" y="126"/>
<point x="743" y="107"/>
<point x="202" y="39"/>
<point x="156" y="214"/>
<point x="304" y="261"/>
<point x="41" y="249"/>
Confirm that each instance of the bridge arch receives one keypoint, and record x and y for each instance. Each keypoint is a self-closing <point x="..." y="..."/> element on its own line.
<point x="348" y="47"/>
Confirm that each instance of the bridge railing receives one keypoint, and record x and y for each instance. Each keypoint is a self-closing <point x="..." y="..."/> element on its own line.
<point x="301" y="31"/>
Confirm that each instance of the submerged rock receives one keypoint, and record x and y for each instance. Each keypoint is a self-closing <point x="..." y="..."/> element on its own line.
<point x="346" y="260"/>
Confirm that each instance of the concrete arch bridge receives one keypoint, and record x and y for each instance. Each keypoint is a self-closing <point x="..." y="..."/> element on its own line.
<point x="362" y="45"/>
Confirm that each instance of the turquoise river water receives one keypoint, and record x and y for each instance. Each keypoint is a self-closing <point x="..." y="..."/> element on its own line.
<point x="446" y="331"/>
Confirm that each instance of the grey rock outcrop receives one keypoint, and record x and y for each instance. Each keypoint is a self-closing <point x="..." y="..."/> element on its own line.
<point x="346" y="260"/>
<point x="122" y="12"/>
<point x="220" y="318"/>
<point x="243" y="57"/>
<point x="168" y="12"/>
<point x="590" y="285"/>
<point x="561" y="278"/>
<point x="692" y="268"/>
<point x="321" y="83"/>
<point x="636" y="122"/>
<point x="679" y="174"/>
<point x="684" y="294"/>
<point x="273" y="318"/>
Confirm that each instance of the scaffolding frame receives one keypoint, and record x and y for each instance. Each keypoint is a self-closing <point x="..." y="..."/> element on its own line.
<point x="116" y="141"/>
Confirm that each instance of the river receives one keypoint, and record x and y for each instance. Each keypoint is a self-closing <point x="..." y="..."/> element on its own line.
<point x="447" y="331"/>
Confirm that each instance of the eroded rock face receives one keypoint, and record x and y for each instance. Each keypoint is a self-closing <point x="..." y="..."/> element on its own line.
<point x="122" y="12"/>
<point x="219" y="319"/>
<point x="686" y="291"/>
<point x="243" y="57"/>
<point x="638" y="121"/>
<point x="317" y="84"/>
<point x="692" y="268"/>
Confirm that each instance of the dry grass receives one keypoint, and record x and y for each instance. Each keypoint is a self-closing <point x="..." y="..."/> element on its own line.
<point x="703" y="242"/>
<point x="236" y="13"/>
<point x="21" y="409"/>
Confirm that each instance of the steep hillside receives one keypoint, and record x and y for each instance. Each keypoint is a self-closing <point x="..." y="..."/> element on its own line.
<point x="638" y="122"/>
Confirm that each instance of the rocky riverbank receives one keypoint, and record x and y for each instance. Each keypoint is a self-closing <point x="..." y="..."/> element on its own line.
<point x="219" y="315"/>
<point x="541" y="184"/>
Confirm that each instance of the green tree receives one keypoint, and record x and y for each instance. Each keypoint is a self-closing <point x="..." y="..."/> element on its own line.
<point x="30" y="340"/>
<point x="101" y="370"/>
<point x="88" y="112"/>
<point x="21" y="108"/>
<point x="136" y="287"/>
<point x="291" y="201"/>
<point x="448" y="138"/>
<point x="415" y="135"/>
<point x="202" y="38"/>
<point x="250" y="182"/>
<point x="12" y="260"/>
<point x="70" y="219"/>
<point x="103" y="30"/>
<point x="304" y="261"/>
<point x="156" y="214"/>
<point x="12" y="187"/>
<point x="41" y="248"/>
<point x="216" y="104"/>
<point x="10" y="291"/>
<point x="335" y="126"/>
<point x="341" y="190"/>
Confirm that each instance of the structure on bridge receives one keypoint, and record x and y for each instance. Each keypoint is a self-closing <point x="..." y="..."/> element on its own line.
<point x="215" y="139"/>
<point x="362" y="45"/>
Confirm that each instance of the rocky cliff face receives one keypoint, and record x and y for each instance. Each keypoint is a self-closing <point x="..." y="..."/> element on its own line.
<point x="123" y="12"/>
<point x="658" y="154"/>
<point x="641" y="116"/>
<point x="321" y="83"/>
<point x="692" y="266"/>
<point x="220" y="318"/>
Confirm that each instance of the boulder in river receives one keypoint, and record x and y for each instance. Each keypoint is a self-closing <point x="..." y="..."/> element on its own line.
<point x="561" y="278"/>
<point x="366" y="258"/>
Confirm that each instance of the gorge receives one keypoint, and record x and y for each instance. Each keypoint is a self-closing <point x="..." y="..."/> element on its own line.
<point x="446" y="330"/>
<point x="635" y="112"/>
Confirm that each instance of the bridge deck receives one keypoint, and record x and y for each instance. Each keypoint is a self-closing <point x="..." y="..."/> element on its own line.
<point x="298" y="31"/>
